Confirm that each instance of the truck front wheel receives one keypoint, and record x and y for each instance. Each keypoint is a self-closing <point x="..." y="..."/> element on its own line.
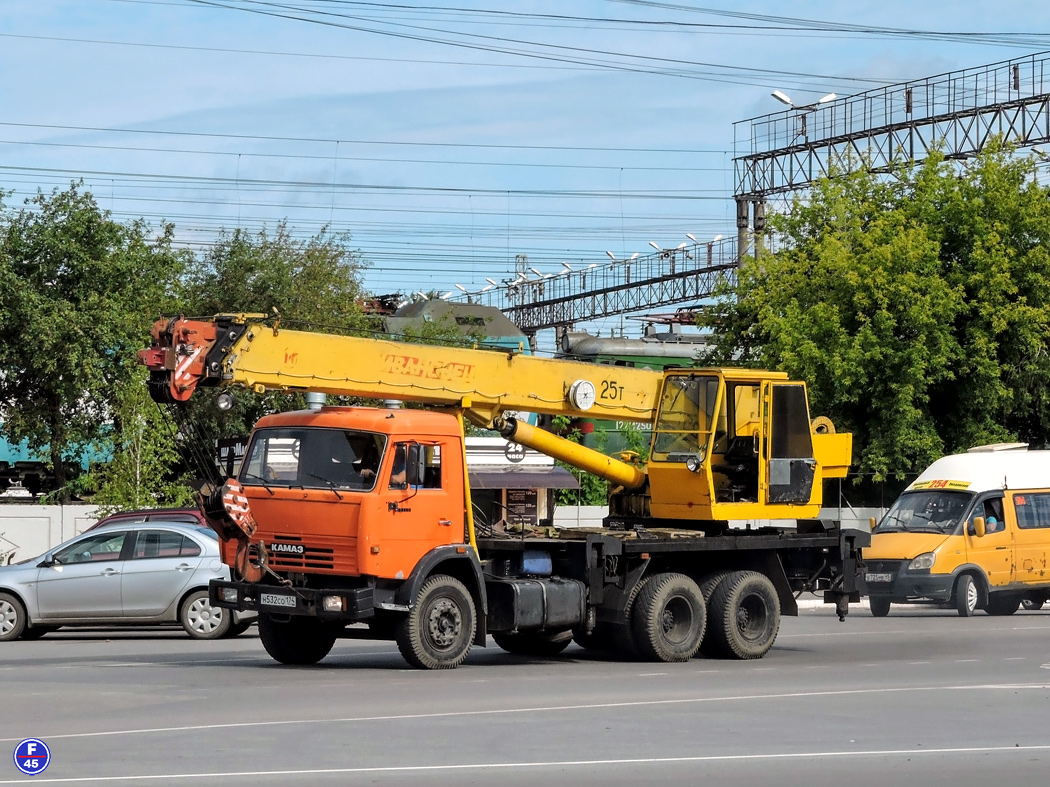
<point x="298" y="640"/>
<point x="745" y="616"/>
<point x="438" y="631"/>
<point x="669" y="618"/>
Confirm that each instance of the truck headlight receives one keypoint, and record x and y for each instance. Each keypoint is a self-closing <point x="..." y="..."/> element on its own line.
<point x="923" y="561"/>
<point x="229" y="595"/>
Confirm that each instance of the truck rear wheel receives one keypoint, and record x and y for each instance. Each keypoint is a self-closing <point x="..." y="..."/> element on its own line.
<point x="707" y="588"/>
<point x="298" y="640"/>
<point x="879" y="606"/>
<point x="623" y="633"/>
<point x="439" y="630"/>
<point x="669" y="618"/>
<point x="533" y="643"/>
<point x="745" y="616"/>
<point x="1002" y="603"/>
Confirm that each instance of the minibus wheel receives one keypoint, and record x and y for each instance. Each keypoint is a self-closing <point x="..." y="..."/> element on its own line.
<point x="965" y="596"/>
<point x="880" y="607"/>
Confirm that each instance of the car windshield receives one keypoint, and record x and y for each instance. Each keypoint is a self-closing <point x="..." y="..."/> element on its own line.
<point x="926" y="511"/>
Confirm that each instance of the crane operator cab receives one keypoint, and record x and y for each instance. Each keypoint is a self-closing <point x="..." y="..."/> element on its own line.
<point x="736" y="444"/>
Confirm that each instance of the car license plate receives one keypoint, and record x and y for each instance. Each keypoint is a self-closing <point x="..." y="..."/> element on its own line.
<point x="878" y="577"/>
<point x="276" y="600"/>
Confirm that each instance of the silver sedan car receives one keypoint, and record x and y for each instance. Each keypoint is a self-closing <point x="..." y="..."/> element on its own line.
<point x="142" y="572"/>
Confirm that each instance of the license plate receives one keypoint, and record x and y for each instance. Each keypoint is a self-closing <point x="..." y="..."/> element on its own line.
<point x="879" y="577"/>
<point x="276" y="600"/>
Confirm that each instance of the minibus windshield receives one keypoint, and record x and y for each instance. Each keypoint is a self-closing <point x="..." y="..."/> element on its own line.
<point x="926" y="511"/>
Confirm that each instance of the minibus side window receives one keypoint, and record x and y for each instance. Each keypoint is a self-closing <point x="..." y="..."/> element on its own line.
<point x="1033" y="510"/>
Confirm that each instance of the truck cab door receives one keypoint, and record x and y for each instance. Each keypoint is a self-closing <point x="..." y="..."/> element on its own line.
<point x="421" y="496"/>
<point x="790" y="468"/>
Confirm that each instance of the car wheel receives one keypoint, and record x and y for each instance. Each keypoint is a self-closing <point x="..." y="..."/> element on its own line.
<point x="965" y="596"/>
<point x="1032" y="603"/>
<point x="880" y="606"/>
<point x="12" y="618"/>
<point x="236" y="629"/>
<point x="36" y="632"/>
<point x="200" y="619"/>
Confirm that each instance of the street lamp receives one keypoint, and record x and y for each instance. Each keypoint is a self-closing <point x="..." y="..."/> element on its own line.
<point x="785" y="99"/>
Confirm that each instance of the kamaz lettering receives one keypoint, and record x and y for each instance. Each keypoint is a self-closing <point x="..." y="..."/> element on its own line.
<point x="297" y="549"/>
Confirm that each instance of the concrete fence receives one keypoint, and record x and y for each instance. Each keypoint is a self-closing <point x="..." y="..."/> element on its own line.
<point x="31" y="530"/>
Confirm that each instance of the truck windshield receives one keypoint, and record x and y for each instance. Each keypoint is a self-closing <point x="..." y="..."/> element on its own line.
<point x="683" y="424"/>
<point x="926" y="511"/>
<point x="313" y="458"/>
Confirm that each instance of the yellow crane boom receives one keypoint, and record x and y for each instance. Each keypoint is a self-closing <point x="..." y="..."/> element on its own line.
<point x="244" y="350"/>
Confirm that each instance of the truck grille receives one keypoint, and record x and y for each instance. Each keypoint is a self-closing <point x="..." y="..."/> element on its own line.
<point x="309" y="558"/>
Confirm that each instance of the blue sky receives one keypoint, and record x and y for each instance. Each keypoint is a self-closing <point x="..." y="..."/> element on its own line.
<point x="442" y="162"/>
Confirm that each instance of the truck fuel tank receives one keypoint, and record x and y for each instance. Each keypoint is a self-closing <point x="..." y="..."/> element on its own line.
<point x="522" y="604"/>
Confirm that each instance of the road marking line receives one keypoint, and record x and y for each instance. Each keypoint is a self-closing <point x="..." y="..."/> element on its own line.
<point x="548" y="764"/>
<point x="552" y="708"/>
<point x="965" y="661"/>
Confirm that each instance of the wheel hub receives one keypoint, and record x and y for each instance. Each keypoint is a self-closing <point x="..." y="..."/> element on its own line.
<point x="7" y="617"/>
<point x="445" y="622"/>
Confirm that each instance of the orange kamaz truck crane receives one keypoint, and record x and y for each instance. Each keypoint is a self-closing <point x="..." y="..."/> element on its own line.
<point x="359" y="515"/>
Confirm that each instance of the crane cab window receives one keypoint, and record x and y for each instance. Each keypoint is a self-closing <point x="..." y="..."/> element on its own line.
<point x="684" y="421"/>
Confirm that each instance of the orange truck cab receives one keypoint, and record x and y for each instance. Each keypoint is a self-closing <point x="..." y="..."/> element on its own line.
<point x="972" y="531"/>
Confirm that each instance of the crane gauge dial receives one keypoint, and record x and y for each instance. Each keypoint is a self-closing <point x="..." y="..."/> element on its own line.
<point x="582" y="394"/>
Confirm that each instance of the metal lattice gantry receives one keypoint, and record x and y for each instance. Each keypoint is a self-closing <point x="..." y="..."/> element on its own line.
<point x="536" y="300"/>
<point x="957" y="113"/>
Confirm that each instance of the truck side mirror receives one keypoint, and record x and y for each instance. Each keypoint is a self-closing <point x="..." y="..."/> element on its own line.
<point x="416" y="465"/>
<point x="978" y="526"/>
<point x="872" y="523"/>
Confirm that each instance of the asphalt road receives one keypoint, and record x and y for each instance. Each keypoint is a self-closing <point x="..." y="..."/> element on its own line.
<point x="920" y="697"/>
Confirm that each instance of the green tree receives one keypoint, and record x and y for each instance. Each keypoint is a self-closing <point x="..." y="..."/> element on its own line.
<point x="916" y="306"/>
<point x="313" y="284"/>
<point x="145" y="451"/>
<point x="78" y="292"/>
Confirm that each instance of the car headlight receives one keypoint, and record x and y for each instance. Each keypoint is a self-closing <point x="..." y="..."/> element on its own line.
<point x="923" y="561"/>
